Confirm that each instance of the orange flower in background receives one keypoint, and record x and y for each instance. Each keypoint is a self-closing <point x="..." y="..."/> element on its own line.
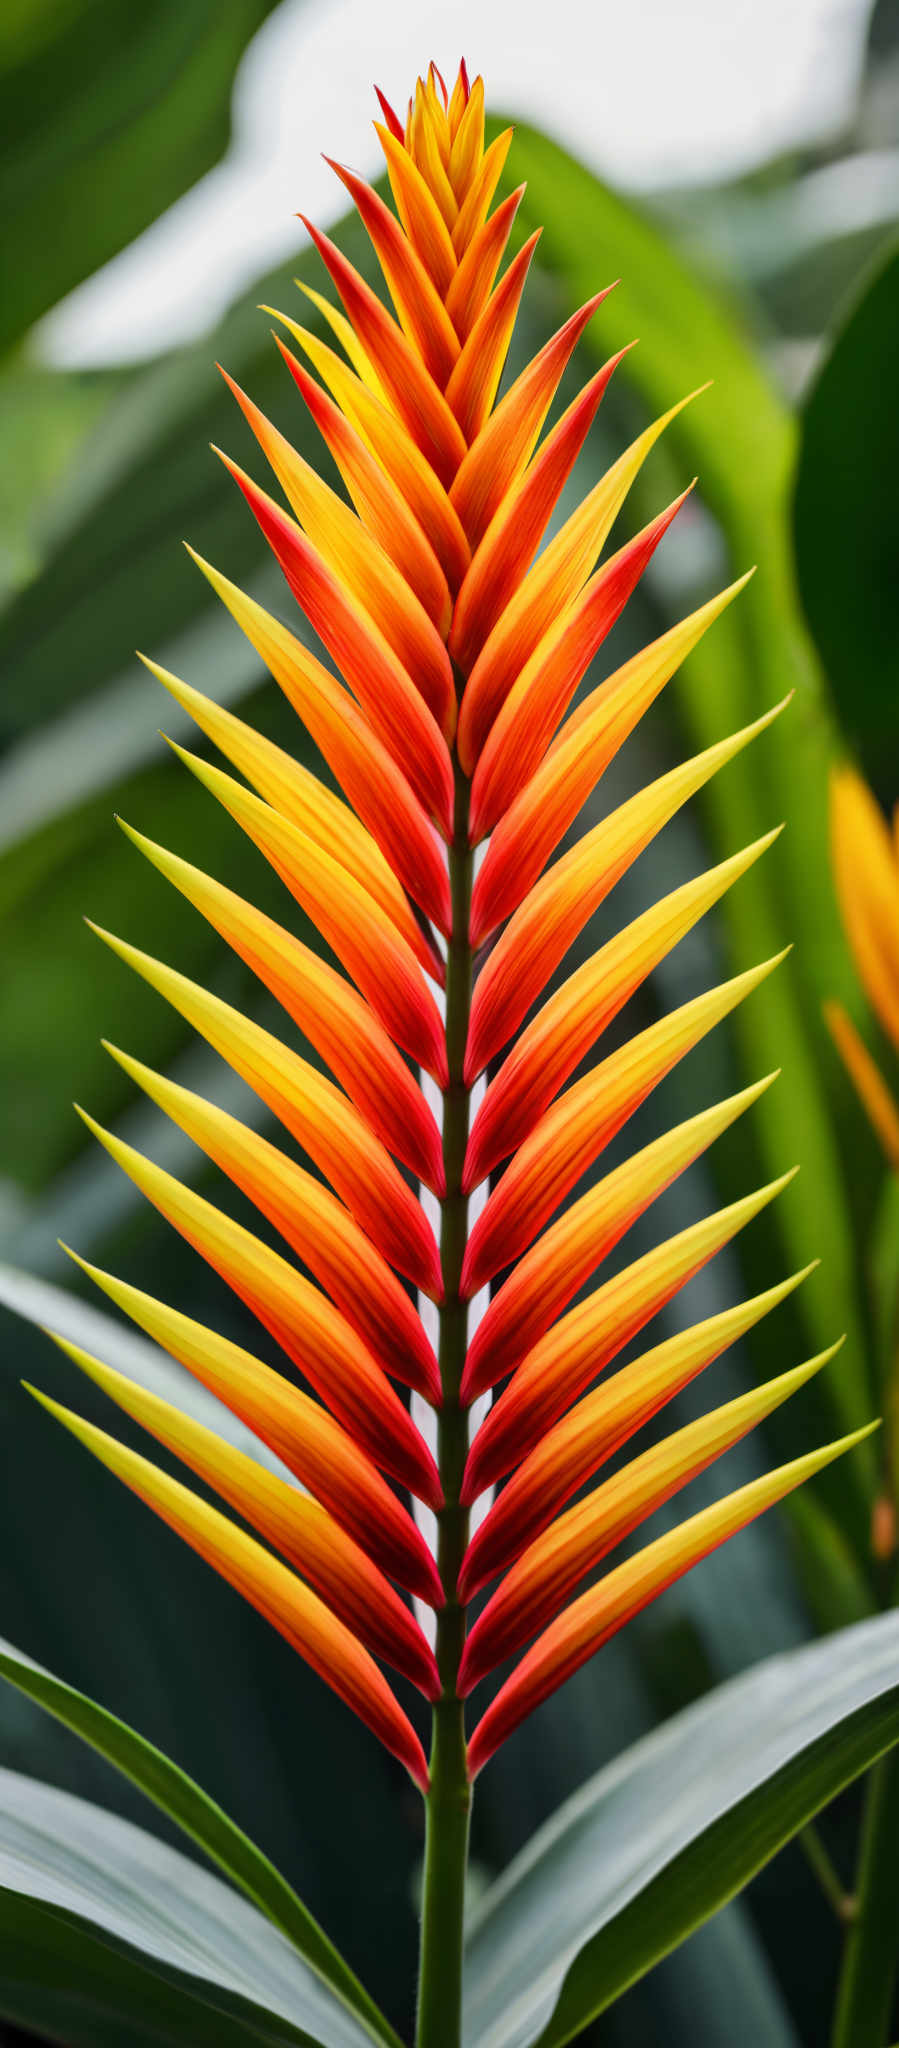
<point x="865" y="857"/>
<point x="458" y="636"/>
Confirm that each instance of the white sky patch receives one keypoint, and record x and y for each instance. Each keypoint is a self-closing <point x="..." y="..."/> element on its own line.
<point x="648" y="93"/>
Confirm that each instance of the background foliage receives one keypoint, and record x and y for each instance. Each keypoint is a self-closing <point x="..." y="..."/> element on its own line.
<point x="794" y="316"/>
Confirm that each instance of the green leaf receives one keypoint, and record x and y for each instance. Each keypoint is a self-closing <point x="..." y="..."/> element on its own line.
<point x="108" y="113"/>
<point x="177" y="1796"/>
<point x="60" y="1979"/>
<point x="846" y="521"/>
<point x="661" y="1838"/>
<point x="740" y="438"/>
<point x="146" y="1902"/>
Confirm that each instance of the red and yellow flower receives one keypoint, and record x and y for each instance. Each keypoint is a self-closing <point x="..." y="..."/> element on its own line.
<point x="457" y="643"/>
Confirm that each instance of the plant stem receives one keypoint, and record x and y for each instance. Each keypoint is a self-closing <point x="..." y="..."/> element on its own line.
<point x="449" y="1799"/>
<point x="867" y="1978"/>
<point x="820" y="1862"/>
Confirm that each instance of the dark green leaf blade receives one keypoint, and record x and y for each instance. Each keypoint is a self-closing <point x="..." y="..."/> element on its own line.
<point x="108" y="113"/>
<point x="60" y="1980"/>
<point x="143" y="1900"/>
<point x="664" y="1836"/>
<point x="202" y="1819"/>
<point x="846" y="522"/>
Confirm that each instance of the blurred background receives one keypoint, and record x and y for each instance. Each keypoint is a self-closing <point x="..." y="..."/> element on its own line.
<point x="739" y="170"/>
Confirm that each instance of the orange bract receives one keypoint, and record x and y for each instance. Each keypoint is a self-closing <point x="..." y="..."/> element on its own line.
<point x="865" y="858"/>
<point x="454" y="639"/>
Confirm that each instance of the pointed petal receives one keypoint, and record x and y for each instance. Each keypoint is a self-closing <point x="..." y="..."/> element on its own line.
<point x="418" y="211"/>
<point x="866" y="872"/>
<point x="575" y="1448"/>
<point x="598" y="1614"/>
<point x="395" y="126"/>
<point x="548" y="634"/>
<point x="305" y="801"/>
<point x="470" y="286"/>
<point x="467" y="147"/>
<point x="348" y="339"/>
<point x="473" y="384"/>
<point x="413" y="393"/>
<point x="556" y="1040"/>
<point x="503" y="447"/>
<point x="578" y="1126"/>
<point x="541" y="693"/>
<point x="376" y="497"/>
<point x="550" y="1274"/>
<point x="321" y="1119"/>
<point x="880" y="1106"/>
<point x="302" y="1531"/>
<point x="314" y="1335"/>
<point x="374" y="783"/>
<point x="299" y="1430"/>
<point x="476" y="204"/>
<point x="396" y="712"/>
<point x="296" y="1612"/>
<point x="559" y="905"/>
<point x="420" y="309"/>
<point x="553" y="583"/>
<point x="316" y="1226"/>
<point x="428" y="144"/>
<point x="459" y="98"/>
<point x="513" y="536"/>
<point x="373" y="952"/>
<point x="542" y="1578"/>
<point x="576" y="1349"/>
<point x="393" y="447"/>
<point x="541" y="813"/>
<point x="375" y="587"/>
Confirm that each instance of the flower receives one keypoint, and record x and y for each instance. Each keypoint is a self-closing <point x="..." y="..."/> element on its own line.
<point x="457" y="644"/>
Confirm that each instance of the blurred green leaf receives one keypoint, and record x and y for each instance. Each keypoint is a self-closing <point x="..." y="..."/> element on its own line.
<point x="199" y="1817"/>
<point x="846" y="523"/>
<point x="108" y="113"/>
<point x="44" y="418"/>
<point x="740" y="437"/>
<point x="678" y="1824"/>
<point x="152" y="1906"/>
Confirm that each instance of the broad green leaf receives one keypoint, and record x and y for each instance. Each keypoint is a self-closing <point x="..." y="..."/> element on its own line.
<point x="675" y="1827"/>
<point x="151" y="1905"/>
<point x="846" y="522"/>
<point x="190" y="1808"/>
<point x="740" y="438"/>
<point x="44" y="419"/>
<point x="108" y="113"/>
<point x="60" y="1980"/>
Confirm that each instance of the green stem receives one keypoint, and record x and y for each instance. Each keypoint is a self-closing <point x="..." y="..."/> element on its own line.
<point x="867" y="1979"/>
<point x="449" y="1799"/>
<point x="828" y="1879"/>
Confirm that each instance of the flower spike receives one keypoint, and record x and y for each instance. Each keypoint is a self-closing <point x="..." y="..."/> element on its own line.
<point x="444" y="749"/>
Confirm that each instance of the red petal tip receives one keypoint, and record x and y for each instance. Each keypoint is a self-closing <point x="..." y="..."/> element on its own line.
<point x="393" y="122"/>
